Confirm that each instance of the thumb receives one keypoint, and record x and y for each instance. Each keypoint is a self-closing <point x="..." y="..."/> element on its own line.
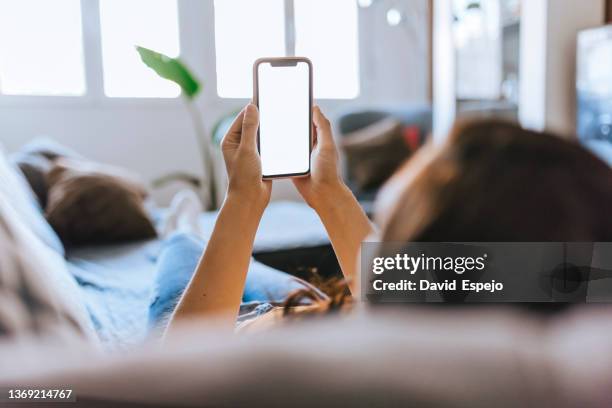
<point x="250" y="123"/>
<point x="323" y="128"/>
<point x="232" y="137"/>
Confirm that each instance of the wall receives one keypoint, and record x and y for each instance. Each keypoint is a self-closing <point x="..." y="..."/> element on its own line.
<point x="443" y="70"/>
<point x="155" y="137"/>
<point x="394" y="60"/>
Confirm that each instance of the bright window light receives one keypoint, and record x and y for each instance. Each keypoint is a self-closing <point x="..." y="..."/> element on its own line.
<point x="125" y="24"/>
<point x="41" y="48"/>
<point x="326" y="32"/>
<point x="244" y="31"/>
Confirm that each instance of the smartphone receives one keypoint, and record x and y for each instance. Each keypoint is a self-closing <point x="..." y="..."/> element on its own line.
<point x="282" y="91"/>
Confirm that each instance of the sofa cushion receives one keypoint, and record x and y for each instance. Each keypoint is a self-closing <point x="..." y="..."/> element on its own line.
<point x="90" y="203"/>
<point x="37" y="294"/>
<point x="374" y="153"/>
<point x="35" y="169"/>
<point x="17" y="193"/>
<point x="35" y="160"/>
<point x="416" y="358"/>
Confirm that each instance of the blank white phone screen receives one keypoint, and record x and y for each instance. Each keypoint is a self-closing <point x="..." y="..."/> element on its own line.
<point x="284" y="118"/>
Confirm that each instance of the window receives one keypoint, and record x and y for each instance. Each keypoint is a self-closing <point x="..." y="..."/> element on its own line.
<point x="41" y="48"/>
<point x="155" y="27"/>
<point x="264" y="20"/>
<point x="477" y="34"/>
<point x="77" y="48"/>
<point x="325" y="31"/>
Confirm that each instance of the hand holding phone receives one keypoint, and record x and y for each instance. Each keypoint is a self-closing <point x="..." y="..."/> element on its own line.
<point x="283" y="95"/>
<point x="239" y="147"/>
<point x="324" y="185"/>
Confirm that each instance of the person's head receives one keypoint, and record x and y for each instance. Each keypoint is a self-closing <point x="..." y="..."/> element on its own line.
<point x="494" y="181"/>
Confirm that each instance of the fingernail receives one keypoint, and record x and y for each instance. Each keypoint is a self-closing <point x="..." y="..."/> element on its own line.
<point x="250" y="108"/>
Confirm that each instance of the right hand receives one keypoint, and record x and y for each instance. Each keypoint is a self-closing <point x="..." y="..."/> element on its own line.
<point x="239" y="147"/>
<point x="324" y="179"/>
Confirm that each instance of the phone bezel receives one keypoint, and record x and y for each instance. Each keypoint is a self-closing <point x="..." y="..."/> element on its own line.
<point x="285" y="61"/>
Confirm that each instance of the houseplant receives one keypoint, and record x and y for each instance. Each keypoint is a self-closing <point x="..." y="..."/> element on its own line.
<point x="173" y="69"/>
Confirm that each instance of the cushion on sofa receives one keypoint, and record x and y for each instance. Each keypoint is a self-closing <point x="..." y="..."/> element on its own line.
<point x="374" y="153"/>
<point x="35" y="169"/>
<point x="16" y="191"/>
<point x="417" y="358"/>
<point x="35" y="160"/>
<point x="49" y="149"/>
<point x="37" y="294"/>
<point x="91" y="203"/>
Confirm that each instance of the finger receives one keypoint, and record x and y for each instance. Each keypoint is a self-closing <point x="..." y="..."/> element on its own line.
<point x="250" y="124"/>
<point x="323" y="128"/>
<point x="235" y="130"/>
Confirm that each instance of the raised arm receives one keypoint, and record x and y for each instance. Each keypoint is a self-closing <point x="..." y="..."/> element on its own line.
<point x="345" y="221"/>
<point x="218" y="282"/>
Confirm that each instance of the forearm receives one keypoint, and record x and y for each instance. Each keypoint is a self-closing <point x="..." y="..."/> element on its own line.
<point x="216" y="287"/>
<point x="347" y="226"/>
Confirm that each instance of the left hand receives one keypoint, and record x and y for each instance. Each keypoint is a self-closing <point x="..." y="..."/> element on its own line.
<point x="239" y="147"/>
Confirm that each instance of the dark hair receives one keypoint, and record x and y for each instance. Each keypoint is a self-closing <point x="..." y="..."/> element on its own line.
<point x="494" y="181"/>
<point x="336" y="291"/>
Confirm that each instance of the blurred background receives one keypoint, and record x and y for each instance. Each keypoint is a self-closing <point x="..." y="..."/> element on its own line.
<point x="69" y="70"/>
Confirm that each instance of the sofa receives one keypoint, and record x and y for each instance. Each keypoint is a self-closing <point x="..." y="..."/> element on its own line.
<point x="415" y="358"/>
<point x="410" y="356"/>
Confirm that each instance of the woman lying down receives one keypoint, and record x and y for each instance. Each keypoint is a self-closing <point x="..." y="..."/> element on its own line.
<point x="516" y="180"/>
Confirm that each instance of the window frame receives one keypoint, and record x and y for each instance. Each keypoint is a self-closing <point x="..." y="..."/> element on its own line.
<point x="290" y="46"/>
<point x="94" y="95"/>
<point x="196" y="20"/>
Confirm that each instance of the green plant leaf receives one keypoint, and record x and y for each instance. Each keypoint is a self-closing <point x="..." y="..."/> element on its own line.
<point x="171" y="69"/>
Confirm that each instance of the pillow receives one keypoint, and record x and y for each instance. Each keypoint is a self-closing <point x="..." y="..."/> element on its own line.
<point x="374" y="152"/>
<point x="37" y="294"/>
<point x="35" y="160"/>
<point x="35" y="169"/>
<point x="90" y="204"/>
<point x="15" y="189"/>
<point x="49" y="149"/>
